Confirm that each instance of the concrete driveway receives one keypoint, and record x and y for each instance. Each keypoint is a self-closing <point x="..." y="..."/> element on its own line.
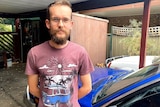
<point x="12" y="85"/>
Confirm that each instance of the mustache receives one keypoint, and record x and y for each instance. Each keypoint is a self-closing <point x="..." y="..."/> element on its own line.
<point x="60" y="30"/>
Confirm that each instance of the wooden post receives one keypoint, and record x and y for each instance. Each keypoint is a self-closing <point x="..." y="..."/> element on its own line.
<point x="145" y="26"/>
<point x="4" y="58"/>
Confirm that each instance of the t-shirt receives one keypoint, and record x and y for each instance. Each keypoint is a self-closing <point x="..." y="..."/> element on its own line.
<point x="58" y="71"/>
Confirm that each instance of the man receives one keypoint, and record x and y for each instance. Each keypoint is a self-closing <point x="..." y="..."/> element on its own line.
<point x="54" y="66"/>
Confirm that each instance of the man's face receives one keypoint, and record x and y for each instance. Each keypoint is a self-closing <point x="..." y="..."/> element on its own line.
<point x="60" y="23"/>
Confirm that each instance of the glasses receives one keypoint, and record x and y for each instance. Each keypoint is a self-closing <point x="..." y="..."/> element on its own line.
<point x="57" y="20"/>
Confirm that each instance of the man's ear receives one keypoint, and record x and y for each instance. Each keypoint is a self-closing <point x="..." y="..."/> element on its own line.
<point x="71" y="25"/>
<point x="47" y="23"/>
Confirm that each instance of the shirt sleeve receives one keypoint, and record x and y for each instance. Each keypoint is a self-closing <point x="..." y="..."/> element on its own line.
<point x="86" y="64"/>
<point x="30" y="64"/>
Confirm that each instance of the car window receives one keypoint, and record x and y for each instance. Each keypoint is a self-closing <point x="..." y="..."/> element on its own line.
<point x="146" y="97"/>
<point x="146" y="71"/>
<point x="126" y="81"/>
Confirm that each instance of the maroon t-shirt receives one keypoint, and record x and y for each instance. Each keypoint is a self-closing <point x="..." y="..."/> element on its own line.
<point x="58" y="70"/>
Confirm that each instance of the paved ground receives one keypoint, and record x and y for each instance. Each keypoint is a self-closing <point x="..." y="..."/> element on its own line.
<point x="12" y="86"/>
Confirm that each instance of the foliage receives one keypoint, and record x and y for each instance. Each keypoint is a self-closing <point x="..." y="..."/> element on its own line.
<point x="132" y="42"/>
<point x="5" y="27"/>
<point x="1" y="20"/>
<point x="134" y="23"/>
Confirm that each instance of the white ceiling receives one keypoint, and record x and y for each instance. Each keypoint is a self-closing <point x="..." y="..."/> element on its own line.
<point x="21" y="6"/>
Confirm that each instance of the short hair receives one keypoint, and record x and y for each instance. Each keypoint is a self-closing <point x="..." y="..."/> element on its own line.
<point x="57" y="2"/>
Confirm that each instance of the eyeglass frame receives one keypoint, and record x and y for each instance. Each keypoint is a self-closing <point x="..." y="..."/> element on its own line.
<point x="57" y="20"/>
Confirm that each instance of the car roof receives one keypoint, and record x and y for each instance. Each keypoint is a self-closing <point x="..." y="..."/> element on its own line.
<point x="132" y="62"/>
<point x="135" y="58"/>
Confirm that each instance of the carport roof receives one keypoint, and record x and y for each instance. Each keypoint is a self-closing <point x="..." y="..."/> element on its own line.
<point x="26" y="6"/>
<point x="124" y="10"/>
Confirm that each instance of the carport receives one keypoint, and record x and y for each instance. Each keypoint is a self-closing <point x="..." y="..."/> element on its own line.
<point x="28" y="9"/>
<point x="36" y="8"/>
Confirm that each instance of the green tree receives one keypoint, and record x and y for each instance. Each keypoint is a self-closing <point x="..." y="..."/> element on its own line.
<point x="4" y="27"/>
<point x="131" y="42"/>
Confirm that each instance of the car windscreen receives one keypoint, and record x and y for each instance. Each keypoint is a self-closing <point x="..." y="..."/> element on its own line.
<point x="147" y="96"/>
<point x="126" y="81"/>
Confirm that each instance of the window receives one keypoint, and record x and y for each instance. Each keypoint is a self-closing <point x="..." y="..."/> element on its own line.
<point x="115" y="85"/>
<point x="146" y="97"/>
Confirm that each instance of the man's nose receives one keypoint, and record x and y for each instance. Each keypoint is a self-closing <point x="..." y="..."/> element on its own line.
<point x="61" y="23"/>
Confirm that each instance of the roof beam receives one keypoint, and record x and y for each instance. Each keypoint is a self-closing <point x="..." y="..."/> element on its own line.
<point x="93" y="4"/>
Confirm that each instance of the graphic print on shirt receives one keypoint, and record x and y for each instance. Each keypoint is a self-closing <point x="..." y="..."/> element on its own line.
<point x="58" y="76"/>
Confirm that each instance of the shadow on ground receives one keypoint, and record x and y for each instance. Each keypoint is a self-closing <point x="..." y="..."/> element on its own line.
<point x="12" y="85"/>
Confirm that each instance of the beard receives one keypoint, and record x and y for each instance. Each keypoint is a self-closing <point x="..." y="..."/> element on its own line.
<point x="59" y="40"/>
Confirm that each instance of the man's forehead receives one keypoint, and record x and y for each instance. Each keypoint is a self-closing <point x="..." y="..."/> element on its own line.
<point x="60" y="11"/>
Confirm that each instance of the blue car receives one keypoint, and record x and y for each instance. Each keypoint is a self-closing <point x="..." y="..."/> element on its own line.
<point x="126" y="89"/>
<point x="102" y="78"/>
<point x="120" y="88"/>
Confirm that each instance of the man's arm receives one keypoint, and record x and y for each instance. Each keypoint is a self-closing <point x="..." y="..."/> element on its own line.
<point x="86" y="85"/>
<point x="33" y="85"/>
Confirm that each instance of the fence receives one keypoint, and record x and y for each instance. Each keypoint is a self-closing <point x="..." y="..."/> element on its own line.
<point x="6" y="48"/>
<point x="122" y="35"/>
<point x="6" y="42"/>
